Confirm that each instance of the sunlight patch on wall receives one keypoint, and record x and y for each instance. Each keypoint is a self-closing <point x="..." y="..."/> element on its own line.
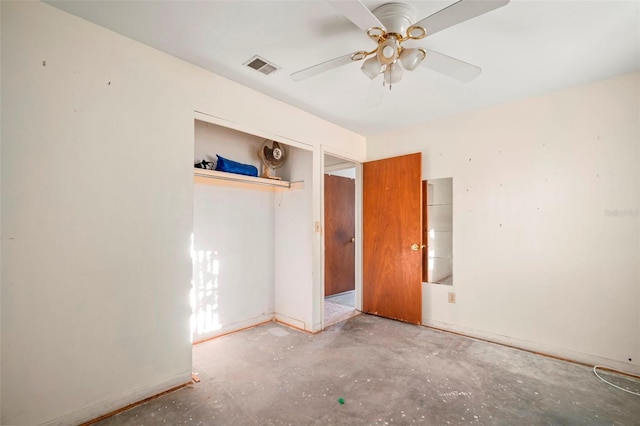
<point x="204" y="292"/>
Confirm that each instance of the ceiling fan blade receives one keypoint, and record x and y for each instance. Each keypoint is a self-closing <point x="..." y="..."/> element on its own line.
<point x="322" y="67"/>
<point x="451" y="67"/>
<point x="357" y="13"/>
<point x="458" y="12"/>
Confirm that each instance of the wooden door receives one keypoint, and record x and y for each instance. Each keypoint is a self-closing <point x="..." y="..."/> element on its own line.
<point x="339" y="236"/>
<point x="392" y="223"/>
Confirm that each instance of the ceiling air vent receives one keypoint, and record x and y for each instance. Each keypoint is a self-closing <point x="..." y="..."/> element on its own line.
<point x="261" y="65"/>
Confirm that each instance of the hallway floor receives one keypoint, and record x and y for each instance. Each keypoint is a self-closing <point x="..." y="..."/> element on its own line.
<point x="348" y="298"/>
<point x="339" y="307"/>
<point x="386" y="373"/>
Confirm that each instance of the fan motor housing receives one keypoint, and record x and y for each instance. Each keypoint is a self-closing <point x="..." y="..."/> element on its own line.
<point x="396" y="17"/>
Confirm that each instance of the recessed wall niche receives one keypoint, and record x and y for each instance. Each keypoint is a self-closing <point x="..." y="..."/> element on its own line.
<point x="212" y="140"/>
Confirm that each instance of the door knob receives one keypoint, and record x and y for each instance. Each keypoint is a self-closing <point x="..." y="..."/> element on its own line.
<point x="416" y="247"/>
<point x="353" y="240"/>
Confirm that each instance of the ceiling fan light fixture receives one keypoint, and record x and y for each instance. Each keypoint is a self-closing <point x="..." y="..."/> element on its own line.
<point x="371" y="67"/>
<point x="388" y="51"/>
<point x="392" y="24"/>
<point x="411" y="58"/>
<point x="393" y="74"/>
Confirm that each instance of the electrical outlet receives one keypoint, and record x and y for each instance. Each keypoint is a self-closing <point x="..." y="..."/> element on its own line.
<point x="452" y="298"/>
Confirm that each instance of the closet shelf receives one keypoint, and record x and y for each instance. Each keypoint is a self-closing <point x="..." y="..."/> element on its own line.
<point x="250" y="180"/>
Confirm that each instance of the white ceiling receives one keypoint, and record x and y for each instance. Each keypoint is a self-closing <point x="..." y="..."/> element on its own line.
<point x="525" y="48"/>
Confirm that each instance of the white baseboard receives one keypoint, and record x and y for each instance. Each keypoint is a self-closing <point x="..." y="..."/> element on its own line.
<point x="291" y="321"/>
<point x="538" y="348"/>
<point x="116" y="402"/>
<point x="236" y="326"/>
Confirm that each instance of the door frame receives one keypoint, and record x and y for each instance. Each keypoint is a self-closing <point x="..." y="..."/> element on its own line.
<point x="339" y="228"/>
<point x="357" y="163"/>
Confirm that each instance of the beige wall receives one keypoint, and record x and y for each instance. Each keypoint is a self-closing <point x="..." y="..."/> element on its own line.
<point x="545" y="221"/>
<point x="97" y="193"/>
<point x="97" y="197"/>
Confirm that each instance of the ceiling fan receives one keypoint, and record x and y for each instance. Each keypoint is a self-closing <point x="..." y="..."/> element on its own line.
<point x="392" y="24"/>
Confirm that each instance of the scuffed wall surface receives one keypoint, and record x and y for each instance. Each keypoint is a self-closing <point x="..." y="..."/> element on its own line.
<point x="545" y="220"/>
<point x="97" y="193"/>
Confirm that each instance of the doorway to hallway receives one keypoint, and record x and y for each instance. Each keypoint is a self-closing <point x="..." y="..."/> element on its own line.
<point x="339" y="240"/>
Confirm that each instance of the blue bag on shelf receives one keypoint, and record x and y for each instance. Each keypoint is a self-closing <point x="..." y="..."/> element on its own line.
<point x="230" y="166"/>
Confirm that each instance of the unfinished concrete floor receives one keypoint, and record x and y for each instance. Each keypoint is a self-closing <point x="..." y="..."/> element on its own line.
<point x="388" y="373"/>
